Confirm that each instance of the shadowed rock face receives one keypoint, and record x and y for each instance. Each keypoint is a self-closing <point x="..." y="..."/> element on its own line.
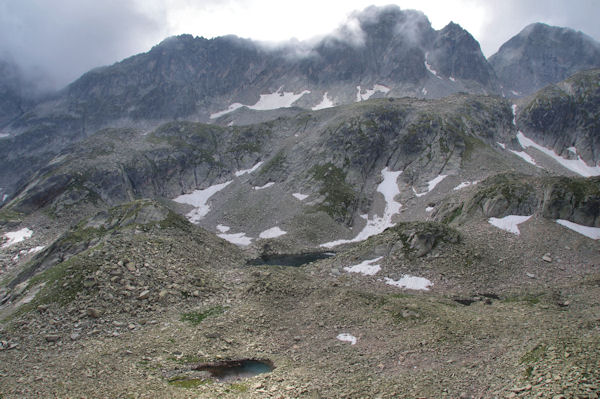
<point x="566" y="115"/>
<point x="338" y="158"/>
<point x="458" y="55"/>
<point x="573" y="199"/>
<point x="187" y="77"/>
<point x="540" y="55"/>
<point x="576" y="200"/>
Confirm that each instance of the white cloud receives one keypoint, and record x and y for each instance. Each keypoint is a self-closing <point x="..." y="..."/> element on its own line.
<point x="65" y="38"/>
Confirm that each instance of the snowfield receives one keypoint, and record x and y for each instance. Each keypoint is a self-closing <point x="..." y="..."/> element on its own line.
<point x="269" y="101"/>
<point x="389" y="188"/>
<point x="273" y="232"/>
<point x="509" y="223"/>
<point x="431" y="185"/>
<point x="199" y="199"/>
<point x="369" y="92"/>
<point x="590" y="232"/>
<point x="366" y="267"/>
<point x="576" y="165"/>
<point x="410" y="283"/>
<point x="247" y="171"/>
<point x="222" y="228"/>
<point x="326" y="102"/>
<point x="237" y="238"/>
<point x="300" y="197"/>
<point x="15" y="237"/>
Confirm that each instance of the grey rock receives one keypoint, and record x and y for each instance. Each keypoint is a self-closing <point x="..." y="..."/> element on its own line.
<point x="51" y="337"/>
<point x="540" y="55"/>
<point x="93" y="313"/>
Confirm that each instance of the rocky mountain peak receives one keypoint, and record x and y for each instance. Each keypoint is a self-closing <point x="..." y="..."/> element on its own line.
<point x="540" y="55"/>
<point x="457" y="54"/>
<point x="390" y="22"/>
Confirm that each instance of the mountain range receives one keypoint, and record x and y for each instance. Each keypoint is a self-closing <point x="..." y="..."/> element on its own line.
<point x="378" y="212"/>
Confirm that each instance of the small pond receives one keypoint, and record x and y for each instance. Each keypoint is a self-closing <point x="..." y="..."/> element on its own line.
<point x="294" y="260"/>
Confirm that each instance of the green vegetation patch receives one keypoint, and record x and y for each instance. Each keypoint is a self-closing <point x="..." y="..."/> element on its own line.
<point x="274" y="165"/>
<point x="340" y="197"/>
<point x="237" y="387"/>
<point x="196" y="318"/>
<point x="186" y="382"/>
<point x="8" y="215"/>
<point x="534" y="355"/>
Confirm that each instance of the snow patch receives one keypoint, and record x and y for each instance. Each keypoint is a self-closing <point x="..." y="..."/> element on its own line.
<point x="4" y="135"/>
<point x="576" y="165"/>
<point x="525" y="156"/>
<point x="300" y="197"/>
<point x="369" y="92"/>
<point x="590" y="232"/>
<point x="15" y="237"/>
<point x="389" y="188"/>
<point x="326" y="102"/>
<point x="231" y="108"/>
<point x="199" y="199"/>
<point x="452" y="79"/>
<point x="509" y="223"/>
<point x="345" y="337"/>
<point x="502" y="145"/>
<point x="465" y="184"/>
<point x="222" y="228"/>
<point x="237" y="238"/>
<point x="429" y="209"/>
<point x="273" y="232"/>
<point x="572" y="150"/>
<point x="35" y="250"/>
<point x="429" y="68"/>
<point x="410" y="282"/>
<point x="270" y="184"/>
<point x="279" y="99"/>
<point x="514" y="112"/>
<point x="367" y="267"/>
<point x="247" y="171"/>
<point x="431" y="185"/>
<point x="424" y="91"/>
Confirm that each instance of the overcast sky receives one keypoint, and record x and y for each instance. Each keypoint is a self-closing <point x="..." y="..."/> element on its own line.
<point x="62" y="39"/>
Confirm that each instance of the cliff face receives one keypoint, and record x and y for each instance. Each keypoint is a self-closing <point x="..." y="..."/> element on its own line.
<point x="566" y="116"/>
<point x="540" y="55"/>
<point x="379" y="52"/>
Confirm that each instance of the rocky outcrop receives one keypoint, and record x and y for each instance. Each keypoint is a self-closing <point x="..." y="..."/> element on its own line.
<point x="576" y="200"/>
<point x="93" y="267"/>
<point x="458" y="55"/>
<point x="573" y="199"/>
<point x="541" y="55"/>
<point x="566" y="117"/>
<point x="337" y="156"/>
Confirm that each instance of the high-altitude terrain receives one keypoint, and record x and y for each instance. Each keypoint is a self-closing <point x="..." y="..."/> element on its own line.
<point x="380" y="213"/>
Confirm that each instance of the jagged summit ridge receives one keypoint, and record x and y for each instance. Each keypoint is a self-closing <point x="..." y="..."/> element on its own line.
<point x="540" y="55"/>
